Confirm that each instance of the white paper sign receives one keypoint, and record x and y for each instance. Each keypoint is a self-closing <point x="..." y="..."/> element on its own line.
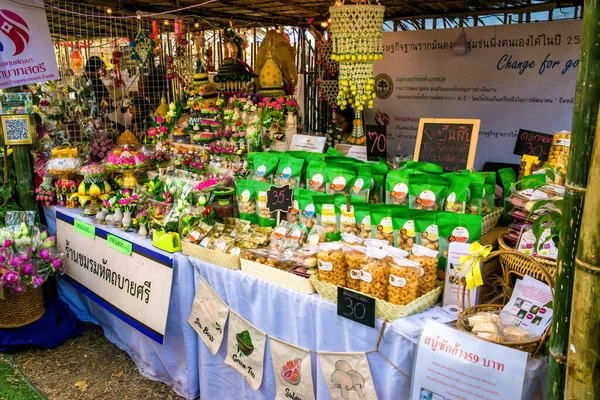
<point x="357" y="152"/>
<point x="454" y="365"/>
<point x="246" y="350"/>
<point x="525" y="71"/>
<point x="526" y="308"/>
<point x="26" y="50"/>
<point x="293" y="373"/>
<point x="314" y="144"/>
<point x="208" y="316"/>
<point x="137" y="288"/>
<point x="348" y="376"/>
<point x="455" y="251"/>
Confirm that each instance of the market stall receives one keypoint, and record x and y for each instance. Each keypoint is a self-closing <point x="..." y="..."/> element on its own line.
<point x="232" y="254"/>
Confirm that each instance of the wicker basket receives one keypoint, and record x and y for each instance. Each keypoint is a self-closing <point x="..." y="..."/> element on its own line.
<point x="537" y="269"/>
<point x="513" y="263"/>
<point x="491" y="220"/>
<point x="277" y="276"/>
<point x="20" y="309"/>
<point x="383" y="308"/>
<point x="211" y="256"/>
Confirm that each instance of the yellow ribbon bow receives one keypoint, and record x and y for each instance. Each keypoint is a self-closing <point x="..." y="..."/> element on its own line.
<point x="470" y="266"/>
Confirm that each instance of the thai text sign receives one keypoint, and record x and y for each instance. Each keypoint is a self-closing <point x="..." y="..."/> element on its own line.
<point x="454" y="365"/>
<point x="136" y="289"/>
<point x="26" y="50"/>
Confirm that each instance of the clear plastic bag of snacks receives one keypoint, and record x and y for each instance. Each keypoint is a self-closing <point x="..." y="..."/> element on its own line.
<point x="375" y="274"/>
<point x="332" y="264"/>
<point x="316" y="236"/>
<point x="278" y="236"/>
<point x="355" y="260"/>
<point x="428" y="259"/>
<point x="403" y="283"/>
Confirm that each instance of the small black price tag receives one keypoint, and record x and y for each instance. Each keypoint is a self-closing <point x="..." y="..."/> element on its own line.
<point x="356" y="306"/>
<point x="534" y="144"/>
<point x="279" y="198"/>
<point x="376" y="142"/>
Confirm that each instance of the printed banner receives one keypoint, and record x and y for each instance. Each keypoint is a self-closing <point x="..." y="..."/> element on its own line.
<point x="26" y="50"/>
<point x="348" y="376"/>
<point x="246" y="350"/>
<point x="208" y="316"/>
<point x="525" y="72"/>
<point x="136" y="289"/>
<point x="454" y="365"/>
<point x="292" y="368"/>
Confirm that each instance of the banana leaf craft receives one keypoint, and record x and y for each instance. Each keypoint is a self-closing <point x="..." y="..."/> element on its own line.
<point x="244" y="343"/>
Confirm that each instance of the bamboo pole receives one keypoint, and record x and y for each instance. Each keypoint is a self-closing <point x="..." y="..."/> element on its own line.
<point x="587" y="96"/>
<point x="584" y="338"/>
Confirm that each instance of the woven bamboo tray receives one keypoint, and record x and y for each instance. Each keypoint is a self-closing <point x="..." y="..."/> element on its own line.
<point x="20" y="309"/>
<point x="383" y="309"/>
<point x="280" y="277"/>
<point x="537" y="269"/>
<point x="512" y="262"/>
<point x="212" y="256"/>
<point x="491" y="220"/>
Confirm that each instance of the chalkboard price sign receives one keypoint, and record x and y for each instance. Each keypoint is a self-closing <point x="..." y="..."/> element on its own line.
<point x="279" y="198"/>
<point x="533" y="143"/>
<point x="356" y="306"/>
<point x="450" y="143"/>
<point x="376" y="142"/>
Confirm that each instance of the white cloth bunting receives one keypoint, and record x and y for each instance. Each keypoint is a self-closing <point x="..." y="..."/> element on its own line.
<point x="347" y="376"/>
<point x="208" y="316"/>
<point x="293" y="371"/>
<point x="246" y="350"/>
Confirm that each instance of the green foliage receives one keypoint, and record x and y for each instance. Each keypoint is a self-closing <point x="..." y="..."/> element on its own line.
<point x="8" y="191"/>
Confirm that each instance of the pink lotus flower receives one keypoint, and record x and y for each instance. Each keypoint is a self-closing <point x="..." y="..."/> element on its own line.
<point x="18" y="289"/>
<point x="159" y="119"/>
<point x="278" y="107"/>
<point x="7" y="243"/>
<point x="44" y="254"/>
<point x="280" y="100"/>
<point x="28" y="269"/>
<point x="10" y="278"/>
<point x="162" y="129"/>
<point x="37" y="281"/>
<point x="56" y="264"/>
<point x="152" y="132"/>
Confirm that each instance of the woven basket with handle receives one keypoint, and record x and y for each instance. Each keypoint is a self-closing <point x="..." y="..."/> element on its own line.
<point x="534" y="269"/>
<point x="514" y="263"/>
<point x="20" y="309"/>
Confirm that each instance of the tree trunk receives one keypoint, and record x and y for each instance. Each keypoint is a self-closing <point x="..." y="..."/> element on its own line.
<point x="24" y="168"/>
<point x="584" y="338"/>
<point x="587" y="96"/>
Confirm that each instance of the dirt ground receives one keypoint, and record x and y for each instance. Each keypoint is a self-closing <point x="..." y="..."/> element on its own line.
<point x="89" y="367"/>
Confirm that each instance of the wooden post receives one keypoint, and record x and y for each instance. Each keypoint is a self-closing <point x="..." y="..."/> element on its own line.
<point x="584" y="337"/>
<point x="587" y="96"/>
<point x="24" y="167"/>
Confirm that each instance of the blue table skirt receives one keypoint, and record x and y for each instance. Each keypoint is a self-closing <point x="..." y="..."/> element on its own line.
<point x="175" y="362"/>
<point x="185" y="363"/>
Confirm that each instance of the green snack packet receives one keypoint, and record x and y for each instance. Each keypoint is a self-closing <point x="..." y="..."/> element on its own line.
<point x="421" y="166"/>
<point x="245" y="191"/>
<point x="404" y="227"/>
<point x="265" y="165"/>
<point x="265" y="218"/>
<point x="382" y="227"/>
<point x="376" y="194"/>
<point x="488" y="206"/>
<point x="302" y="211"/>
<point x="348" y="219"/>
<point x="315" y="176"/>
<point x="334" y="153"/>
<point x="360" y="187"/>
<point x="475" y="195"/>
<point x="426" y="226"/>
<point x="339" y="178"/>
<point x="327" y="208"/>
<point x="458" y="192"/>
<point x="362" y="214"/>
<point x="453" y="227"/>
<point x="396" y="187"/>
<point x="508" y="179"/>
<point x="289" y="171"/>
<point x="427" y="192"/>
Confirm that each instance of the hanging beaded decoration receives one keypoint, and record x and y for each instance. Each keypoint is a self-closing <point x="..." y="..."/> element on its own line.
<point x="357" y="41"/>
<point x="328" y="68"/>
<point x="328" y="91"/>
<point x="141" y="50"/>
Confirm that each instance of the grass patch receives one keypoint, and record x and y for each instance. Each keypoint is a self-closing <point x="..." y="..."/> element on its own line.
<point x="13" y="385"/>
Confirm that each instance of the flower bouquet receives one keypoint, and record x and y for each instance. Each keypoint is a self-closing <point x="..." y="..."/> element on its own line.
<point x="125" y="157"/>
<point x="100" y="147"/>
<point x="45" y="193"/>
<point x="159" y="158"/>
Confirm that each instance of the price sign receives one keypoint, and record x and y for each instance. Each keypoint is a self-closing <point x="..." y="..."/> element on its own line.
<point x="279" y="198"/>
<point x="84" y="229"/>
<point x="356" y="306"/>
<point x="122" y="246"/>
<point x="533" y="143"/>
<point x="450" y="143"/>
<point x="376" y="142"/>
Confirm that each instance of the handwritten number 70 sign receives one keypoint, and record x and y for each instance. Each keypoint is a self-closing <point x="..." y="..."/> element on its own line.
<point x="378" y="142"/>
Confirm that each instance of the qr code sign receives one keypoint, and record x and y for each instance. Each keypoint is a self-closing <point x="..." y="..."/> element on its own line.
<point x="16" y="129"/>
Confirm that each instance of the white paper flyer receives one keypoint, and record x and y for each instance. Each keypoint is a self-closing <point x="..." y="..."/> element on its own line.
<point x="455" y="251"/>
<point x="528" y="306"/>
